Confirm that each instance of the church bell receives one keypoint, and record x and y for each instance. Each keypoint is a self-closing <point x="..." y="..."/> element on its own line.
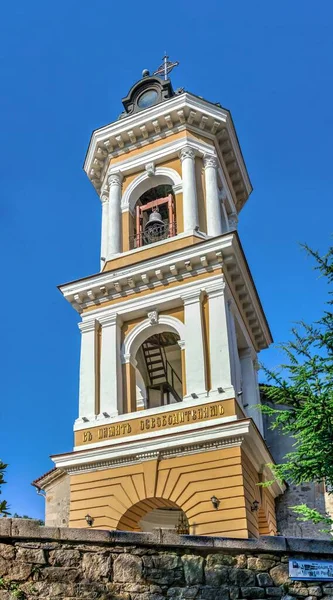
<point x="154" y="219"/>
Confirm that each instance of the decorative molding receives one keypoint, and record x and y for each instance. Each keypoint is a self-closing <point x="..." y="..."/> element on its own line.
<point x="110" y="320"/>
<point x="144" y="182"/>
<point x="215" y="289"/>
<point x="191" y="296"/>
<point x="150" y="169"/>
<point x="184" y="112"/>
<point x="224" y="250"/>
<point x="153" y="317"/>
<point x="187" y="152"/>
<point x="233" y="221"/>
<point x="210" y="161"/>
<point x="157" y="455"/>
<point x="143" y="330"/>
<point x="86" y="326"/>
<point x="115" y="178"/>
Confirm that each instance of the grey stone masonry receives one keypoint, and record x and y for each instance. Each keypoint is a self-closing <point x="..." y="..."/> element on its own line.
<point x="67" y="564"/>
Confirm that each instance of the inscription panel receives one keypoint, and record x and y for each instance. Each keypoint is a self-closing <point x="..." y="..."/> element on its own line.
<point x="160" y="421"/>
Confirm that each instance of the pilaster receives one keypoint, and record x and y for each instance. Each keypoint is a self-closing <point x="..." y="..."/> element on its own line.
<point x="194" y="345"/>
<point x="219" y="346"/>
<point x="88" y="370"/>
<point x="111" y="385"/>
<point x="250" y="387"/>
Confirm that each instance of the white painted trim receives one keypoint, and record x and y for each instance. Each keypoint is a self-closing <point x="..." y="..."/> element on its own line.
<point x="158" y="411"/>
<point x="144" y="329"/>
<point x="132" y="193"/>
<point x="156" y="441"/>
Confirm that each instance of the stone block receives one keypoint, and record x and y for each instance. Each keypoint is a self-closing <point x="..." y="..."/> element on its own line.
<point x="7" y="551"/>
<point x="65" y="557"/>
<point x="178" y="593"/>
<point x="18" y="571"/>
<point x="193" y="569"/>
<point x="298" y="590"/>
<point x="94" y="536"/>
<point x="252" y="592"/>
<point x="242" y="578"/>
<point x="30" y="529"/>
<point x="31" y="555"/>
<point x="315" y="590"/>
<point x="211" y="593"/>
<point x="280" y="574"/>
<point x="259" y="564"/>
<point x="309" y="546"/>
<point x="277" y="592"/>
<point x="264" y="580"/>
<point x="5" y="527"/>
<point x="94" y="566"/>
<point x="59" y="574"/>
<point x="127" y="569"/>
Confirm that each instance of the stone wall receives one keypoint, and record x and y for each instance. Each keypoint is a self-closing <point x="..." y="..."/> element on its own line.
<point x="57" y="502"/>
<point x="312" y="494"/>
<point x="55" y="563"/>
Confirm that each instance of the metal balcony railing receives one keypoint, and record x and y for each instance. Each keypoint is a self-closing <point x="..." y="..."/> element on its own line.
<point x="155" y="233"/>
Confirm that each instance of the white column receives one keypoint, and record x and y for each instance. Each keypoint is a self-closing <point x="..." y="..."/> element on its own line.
<point x="87" y="387"/>
<point x="111" y="385"/>
<point x="105" y="224"/>
<point x="190" y="201"/>
<point x="114" y="220"/>
<point x="236" y="369"/>
<point x="195" y="367"/>
<point x="251" y="395"/>
<point x="213" y="205"/>
<point x="219" y="344"/>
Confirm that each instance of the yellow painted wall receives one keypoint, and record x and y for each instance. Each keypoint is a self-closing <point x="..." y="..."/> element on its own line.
<point x="142" y="255"/>
<point x="119" y="497"/>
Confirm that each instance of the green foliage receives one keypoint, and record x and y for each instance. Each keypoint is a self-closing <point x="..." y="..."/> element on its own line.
<point x="12" y="587"/>
<point x="4" y="508"/>
<point x="17" y="516"/>
<point x="301" y="398"/>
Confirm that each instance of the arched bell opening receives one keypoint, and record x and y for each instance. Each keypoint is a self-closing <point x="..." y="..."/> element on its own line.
<point x="159" y="371"/>
<point x="154" y="513"/>
<point x="155" y="216"/>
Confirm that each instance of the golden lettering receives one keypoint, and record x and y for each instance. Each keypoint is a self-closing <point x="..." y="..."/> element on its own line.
<point x="87" y="437"/>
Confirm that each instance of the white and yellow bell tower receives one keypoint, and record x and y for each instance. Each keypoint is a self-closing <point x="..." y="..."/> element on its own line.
<point x="167" y="433"/>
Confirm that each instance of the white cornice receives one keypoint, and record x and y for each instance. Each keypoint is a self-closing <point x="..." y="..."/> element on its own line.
<point x="178" y="441"/>
<point x="183" y="112"/>
<point x="180" y="266"/>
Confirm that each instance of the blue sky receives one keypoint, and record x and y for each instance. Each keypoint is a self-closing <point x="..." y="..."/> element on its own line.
<point x="64" y="68"/>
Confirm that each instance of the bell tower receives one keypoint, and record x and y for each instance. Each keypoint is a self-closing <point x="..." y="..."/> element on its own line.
<point x="167" y="433"/>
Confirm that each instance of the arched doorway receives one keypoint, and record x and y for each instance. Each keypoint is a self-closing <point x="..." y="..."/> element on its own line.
<point x="159" y="368"/>
<point x="154" y="513"/>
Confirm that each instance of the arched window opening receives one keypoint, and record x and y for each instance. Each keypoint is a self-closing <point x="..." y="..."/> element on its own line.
<point x="154" y="513"/>
<point x="155" y="217"/>
<point x="159" y="369"/>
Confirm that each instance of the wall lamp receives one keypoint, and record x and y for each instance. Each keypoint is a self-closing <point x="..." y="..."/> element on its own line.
<point x="220" y="390"/>
<point x="89" y="520"/>
<point x="254" y="506"/>
<point x="194" y="395"/>
<point x="215" y="502"/>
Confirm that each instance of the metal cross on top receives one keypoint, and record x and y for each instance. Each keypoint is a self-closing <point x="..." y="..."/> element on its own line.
<point x="166" y="67"/>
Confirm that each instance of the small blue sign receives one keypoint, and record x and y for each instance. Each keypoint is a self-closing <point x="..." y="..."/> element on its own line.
<point x="305" y="570"/>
